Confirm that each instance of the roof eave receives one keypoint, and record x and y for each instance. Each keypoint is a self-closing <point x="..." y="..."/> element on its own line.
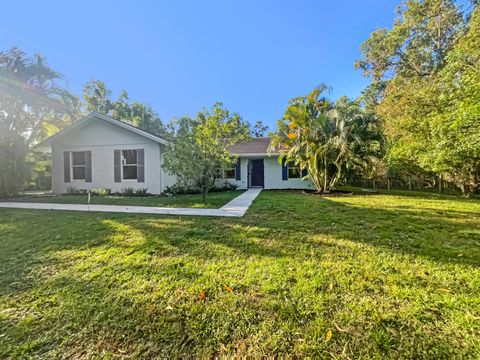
<point x="255" y="154"/>
<point x="46" y="144"/>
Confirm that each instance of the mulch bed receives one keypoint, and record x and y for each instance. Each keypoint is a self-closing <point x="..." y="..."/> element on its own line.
<point x="331" y="193"/>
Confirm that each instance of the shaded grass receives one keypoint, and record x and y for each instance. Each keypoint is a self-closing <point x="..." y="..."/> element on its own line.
<point x="390" y="276"/>
<point x="214" y="200"/>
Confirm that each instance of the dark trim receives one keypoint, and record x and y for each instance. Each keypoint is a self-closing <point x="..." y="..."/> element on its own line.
<point x="140" y="165"/>
<point x="117" y="171"/>
<point x="88" y="166"/>
<point x="238" y="170"/>
<point x="284" y="169"/>
<point x="66" y="166"/>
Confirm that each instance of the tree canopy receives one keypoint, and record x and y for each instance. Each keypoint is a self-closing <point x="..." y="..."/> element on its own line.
<point x="426" y="70"/>
<point x="34" y="101"/>
<point x="199" y="152"/>
<point x="98" y="97"/>
<point x="327" y="138"/>
<point x="259" y="129"/>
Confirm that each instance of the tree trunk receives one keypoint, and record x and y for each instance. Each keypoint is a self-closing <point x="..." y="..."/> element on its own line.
<point x="409" y="183"/>
<point x="204" y="194"/>
<point x="388" y="184"/>
<point x="440" y="183"/>
<point x="373" y="183"/>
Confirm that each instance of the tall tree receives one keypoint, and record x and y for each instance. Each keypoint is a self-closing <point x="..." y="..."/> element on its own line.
<point x="34" y="103"/>
<point x="33" y="97"/>
<point x="259" y="129"/>
<point x="145" y="117"/>
<point x="326" y="139"/>
<point x="455" y="120"/>
<point x="411" y="58"/>
<point x="98" y="97"/>
<point x="200" y="149"/>
<point x="417" y="45"/>
<point x="238" y="129"/>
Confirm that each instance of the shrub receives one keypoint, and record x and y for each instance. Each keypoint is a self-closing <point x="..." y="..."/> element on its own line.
<point x="179" y="189"/>
<point x="13" y="152"/>
<point x="71" y="190"/>
<point x="101" y="192"/>
<point x="127" y="191"/>
<point x="226" y="186"/>
<point x="134" y="192"/>
<point x="141" y="192"/>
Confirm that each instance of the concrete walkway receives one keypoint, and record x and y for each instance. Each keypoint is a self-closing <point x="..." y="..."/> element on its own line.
<point x="235" y="208"/>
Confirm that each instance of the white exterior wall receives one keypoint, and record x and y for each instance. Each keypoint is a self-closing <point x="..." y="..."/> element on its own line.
<point x="166" y="179"/>
<point x="272" y="176"/>
<point x="102" y="138"/>
<point x="242" y="183"/>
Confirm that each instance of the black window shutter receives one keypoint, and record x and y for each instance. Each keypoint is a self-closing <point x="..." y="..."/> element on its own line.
<point x="141" y="165"/>
<point x="304" y="172"/>
<point x="284" y="169"/>
<point x="88" y="166"/>
<point x="238" y="174"/>
<point x="117" y="171"/>
<point x="66" y="166"/>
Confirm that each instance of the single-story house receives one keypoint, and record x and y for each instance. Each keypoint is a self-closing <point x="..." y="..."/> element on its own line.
<point x="101" y="152"/>
<point x="258" y="167"/>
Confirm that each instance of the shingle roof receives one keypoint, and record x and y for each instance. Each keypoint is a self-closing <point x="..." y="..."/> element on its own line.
<point x="255" y="146"/>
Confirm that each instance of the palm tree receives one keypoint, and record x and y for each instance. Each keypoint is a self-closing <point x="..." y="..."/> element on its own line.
<point x="324" y="138"/>
<point x="31" y="96"/>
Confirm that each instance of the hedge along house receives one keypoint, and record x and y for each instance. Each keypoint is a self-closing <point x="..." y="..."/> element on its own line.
<point x="100" y="152"/>
<point x="257" y="168"/>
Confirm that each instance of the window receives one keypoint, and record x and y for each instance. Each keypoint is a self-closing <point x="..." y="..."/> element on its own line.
<point x="79" y="165"/>
<point x="129" y="164"/>
<point x="230" y="173"/>
<point x="294" y="172"/>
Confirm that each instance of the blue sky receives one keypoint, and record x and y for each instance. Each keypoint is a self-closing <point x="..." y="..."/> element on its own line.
<point x="182" y="56"/>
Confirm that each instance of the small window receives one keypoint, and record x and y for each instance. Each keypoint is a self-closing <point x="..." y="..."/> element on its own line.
<point x="78" y="165"/>
<point x="129" y="165"/>
<point x="294" y="172"/>
<point x="230" y="173"/>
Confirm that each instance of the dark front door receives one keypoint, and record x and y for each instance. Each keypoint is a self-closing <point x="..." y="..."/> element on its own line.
<point x="257" y="173"/>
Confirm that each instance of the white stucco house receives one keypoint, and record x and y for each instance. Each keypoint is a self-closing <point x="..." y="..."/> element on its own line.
<point x="257" y="167"/>
<point x="101" y="152"/>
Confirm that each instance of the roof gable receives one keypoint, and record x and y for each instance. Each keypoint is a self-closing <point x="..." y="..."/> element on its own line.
<point x="46" y="144"/>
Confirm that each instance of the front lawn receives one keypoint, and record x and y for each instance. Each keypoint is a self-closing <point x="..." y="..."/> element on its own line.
<point x="379" y="276"/>
<point x="214" y="200"/>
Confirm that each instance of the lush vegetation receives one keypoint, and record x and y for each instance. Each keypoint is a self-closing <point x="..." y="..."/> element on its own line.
<point x="422" y="104"/>
<point x="35" y="103"/>
<point x="98" y="97"/>
<point x="328" y="139"/>
<point x="199" y="152"/>
<point x="215" y="200"/>
<point x="425" y="87"/>
<point x="379" y="276"/>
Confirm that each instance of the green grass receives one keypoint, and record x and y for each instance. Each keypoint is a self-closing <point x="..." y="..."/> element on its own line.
<point x="391" y="276"/>
<point x="214" y="200"/>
